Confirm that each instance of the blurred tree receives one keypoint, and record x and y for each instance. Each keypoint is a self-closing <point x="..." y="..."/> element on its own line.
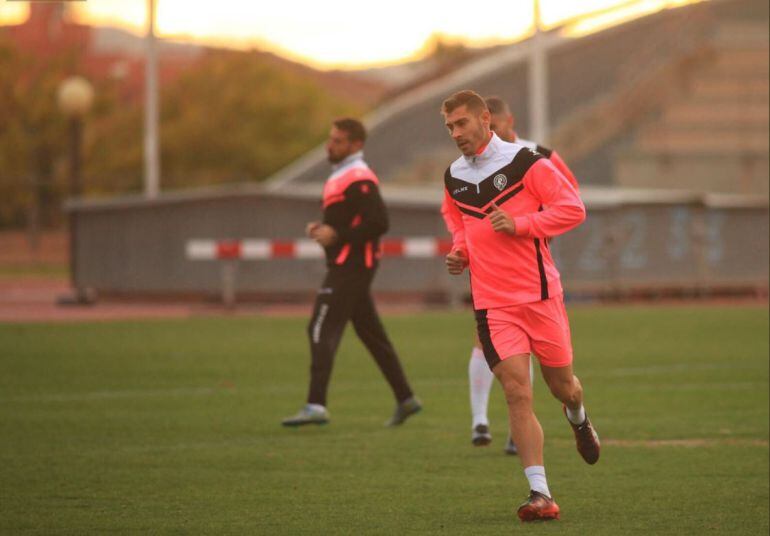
<point x="33" y="134"/>
<point x="233" y="117"/>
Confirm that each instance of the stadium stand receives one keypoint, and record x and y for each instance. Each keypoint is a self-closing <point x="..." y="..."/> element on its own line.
<point x="715" y="136"/>
<point x="606" y="92"/>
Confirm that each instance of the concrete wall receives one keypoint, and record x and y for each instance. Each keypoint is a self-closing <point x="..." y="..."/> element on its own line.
<point x="630" y="241"/>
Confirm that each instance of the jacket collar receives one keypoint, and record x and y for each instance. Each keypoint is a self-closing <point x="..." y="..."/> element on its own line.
<point x="487" y="152"/>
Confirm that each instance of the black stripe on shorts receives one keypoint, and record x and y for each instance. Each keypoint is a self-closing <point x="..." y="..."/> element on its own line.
<point x="482" y="326"/>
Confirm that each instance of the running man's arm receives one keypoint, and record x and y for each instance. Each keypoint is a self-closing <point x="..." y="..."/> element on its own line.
<point x="563" y="210"/>
<point x="373" y="216"/>
<point x="454" y="223"/>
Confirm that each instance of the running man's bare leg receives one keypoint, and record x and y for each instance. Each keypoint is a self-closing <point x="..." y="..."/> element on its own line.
<point x="564" y="385"/>
<point x="513" y="375"/>
<point x="567" y="388"/>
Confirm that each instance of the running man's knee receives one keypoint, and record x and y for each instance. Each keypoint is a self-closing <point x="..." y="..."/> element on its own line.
<point x="518" y="396"/>
<point x="517" y="390"/>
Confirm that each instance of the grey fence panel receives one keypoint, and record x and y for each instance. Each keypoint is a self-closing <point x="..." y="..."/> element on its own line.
<point x="583" y="254"/>
<point x="655" y="246"/>
<point x="139" y="247"/>
<point x="736" y="246"/>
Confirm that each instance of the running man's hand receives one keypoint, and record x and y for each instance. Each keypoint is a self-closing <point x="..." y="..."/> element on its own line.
<point x="501" y="221"/>
<point x="311" y="227"/>
<point x="456" y="261"/>
<point x="324" y="235"/>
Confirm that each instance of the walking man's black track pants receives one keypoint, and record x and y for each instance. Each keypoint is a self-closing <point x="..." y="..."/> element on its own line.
<point x="345" y="295"/>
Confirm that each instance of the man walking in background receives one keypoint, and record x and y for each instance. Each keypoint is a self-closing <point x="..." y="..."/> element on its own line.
<point x="480" y="378"/>
<point x="354" y="218"/>
<point x="504" y="201"/>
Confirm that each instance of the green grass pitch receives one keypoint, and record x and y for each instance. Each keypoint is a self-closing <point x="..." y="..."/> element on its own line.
<point x="172" y="427"/>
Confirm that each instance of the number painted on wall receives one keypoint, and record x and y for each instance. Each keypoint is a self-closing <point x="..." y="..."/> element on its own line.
<point x="715" y="247"/>
<point x="633" y="254"/>
<point x="592" y="256"/>
<point x="678" y="243"/>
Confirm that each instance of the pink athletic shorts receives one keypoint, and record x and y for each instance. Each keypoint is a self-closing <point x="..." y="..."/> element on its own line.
<point x="540" y="328"/>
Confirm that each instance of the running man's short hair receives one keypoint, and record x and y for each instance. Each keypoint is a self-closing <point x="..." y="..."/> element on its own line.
<point x="352" y="127"/>
<point x="497" y="105"/>
<point x="466" y="97"/>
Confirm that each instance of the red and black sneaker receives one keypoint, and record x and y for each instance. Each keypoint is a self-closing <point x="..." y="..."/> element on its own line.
<point x="586" y="438"/>
<point x="539" y="507"/>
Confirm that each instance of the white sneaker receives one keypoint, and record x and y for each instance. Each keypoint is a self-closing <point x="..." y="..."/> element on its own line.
<point x="307" y="415"/>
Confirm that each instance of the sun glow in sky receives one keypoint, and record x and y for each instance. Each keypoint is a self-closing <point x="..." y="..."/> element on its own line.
<point x="345" y="33"/>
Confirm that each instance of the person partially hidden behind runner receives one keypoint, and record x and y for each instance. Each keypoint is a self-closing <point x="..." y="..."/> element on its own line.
<point x="354" y="218"/>
<point x="504" y="201"/>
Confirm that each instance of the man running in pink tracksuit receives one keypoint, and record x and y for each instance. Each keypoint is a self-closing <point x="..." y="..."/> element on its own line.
<point x="480" y="378"/>
<point x="504" y="201"/>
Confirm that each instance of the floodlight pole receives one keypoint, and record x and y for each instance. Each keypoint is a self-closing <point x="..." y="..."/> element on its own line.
<point x="538" y="81"/>
<point x="151" y="153"/>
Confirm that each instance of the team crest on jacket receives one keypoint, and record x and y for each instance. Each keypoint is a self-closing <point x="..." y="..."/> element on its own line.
<point x="500" y="181"/>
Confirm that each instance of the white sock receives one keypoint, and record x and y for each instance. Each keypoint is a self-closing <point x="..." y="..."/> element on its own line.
<point x="480" y="379"/>
<point x="576" y="416"/>
<point x="316" y="407"/>
<point x="537" y="482"/>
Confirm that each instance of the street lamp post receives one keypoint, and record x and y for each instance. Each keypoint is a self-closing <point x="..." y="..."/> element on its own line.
<point x="75" y="97"/>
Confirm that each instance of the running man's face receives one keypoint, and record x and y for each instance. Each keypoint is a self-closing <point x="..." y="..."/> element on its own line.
<point x="339" y="146"/>
<point x="502" y="125"/>
<point x="469" y="130"/>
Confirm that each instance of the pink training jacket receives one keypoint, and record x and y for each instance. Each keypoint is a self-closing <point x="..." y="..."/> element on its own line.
<point x="352" y="205"/>
<point x="509" y="270"/>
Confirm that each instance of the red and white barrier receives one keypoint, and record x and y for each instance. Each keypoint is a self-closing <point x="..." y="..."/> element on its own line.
<point x="418" y="247"/>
